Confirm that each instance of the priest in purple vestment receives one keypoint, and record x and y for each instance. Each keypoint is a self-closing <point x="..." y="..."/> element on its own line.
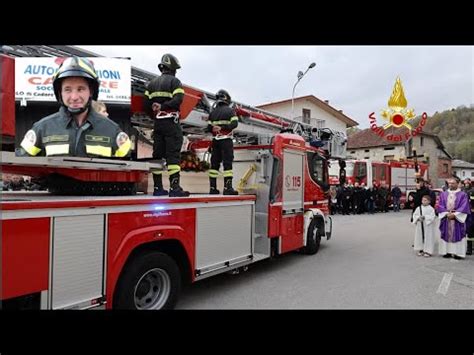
<point x="453" y="210"/>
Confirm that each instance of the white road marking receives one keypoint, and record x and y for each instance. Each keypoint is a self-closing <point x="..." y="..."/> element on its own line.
<point x="444" y="285"/>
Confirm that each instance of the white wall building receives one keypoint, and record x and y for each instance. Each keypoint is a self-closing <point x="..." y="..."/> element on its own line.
<point x="463" y="169"/>
<point x="310" y="109"/>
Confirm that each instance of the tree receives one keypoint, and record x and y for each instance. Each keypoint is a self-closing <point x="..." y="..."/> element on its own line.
<point x="350" y="131"/>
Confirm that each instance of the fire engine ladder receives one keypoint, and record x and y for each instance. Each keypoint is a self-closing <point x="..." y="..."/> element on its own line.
<point x="256" y="126"/>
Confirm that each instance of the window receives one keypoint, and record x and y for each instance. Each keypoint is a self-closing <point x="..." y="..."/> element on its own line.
<point x="472" y="173"/>
<point x="389" y="148"/>
<point x="389" y="157"/>
<point x="320" y="123"/>
<point x="306" y="116"/>
<point x="463" y="173"/>
<point x="445" y="168"/>
<point x="421" y="141"/>
<point x="350" y="168"/>
<point x="317" y="171"/>
<point x="378" y="172"/>
<point x="353" y="152"/>
<point x="366" y="157"/>
<point x="361" y="170"/>
<point x="367" y="150"/>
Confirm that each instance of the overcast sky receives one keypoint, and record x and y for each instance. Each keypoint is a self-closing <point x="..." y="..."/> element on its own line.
<point x="355" y="79"/>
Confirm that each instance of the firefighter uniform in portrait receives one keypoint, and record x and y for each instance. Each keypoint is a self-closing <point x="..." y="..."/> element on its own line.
<point x="163" y="98"/>
<point x="221" y="122"/>
<point x="76" y="129"/>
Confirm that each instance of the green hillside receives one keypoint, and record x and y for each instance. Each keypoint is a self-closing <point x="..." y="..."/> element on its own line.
<point x="455" y="128"/>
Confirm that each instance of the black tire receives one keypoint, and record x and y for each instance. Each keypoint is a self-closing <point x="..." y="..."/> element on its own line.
<point x="151" y="280"/>
<point x="313" y="240"/>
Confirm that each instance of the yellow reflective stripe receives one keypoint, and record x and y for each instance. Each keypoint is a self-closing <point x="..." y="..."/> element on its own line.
<point x="213" y="173"/>
<point x="124" y="149"/>
<point x="178" y="91"/>
<point x="173" y="169"/>
<point x="56" y="149"/>
<point x="157" y="172"/>
<point x="33" y="150"/>
<point x="158" y="94"/>
<point x="87" y="68"/>
<point x="99" y="150"/>
<point x="29" y="147"/>
<point x="234" y="118"/>
<point x="227" y="173"/>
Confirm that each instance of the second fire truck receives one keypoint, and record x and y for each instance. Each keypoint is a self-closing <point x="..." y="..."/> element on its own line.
<point x="402" y="173"/>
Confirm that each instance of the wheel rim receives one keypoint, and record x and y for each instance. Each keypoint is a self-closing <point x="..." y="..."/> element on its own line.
<point x="152" y="290"/>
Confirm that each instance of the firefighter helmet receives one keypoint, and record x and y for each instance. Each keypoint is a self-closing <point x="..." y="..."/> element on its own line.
<point x="170" y="62"/>
<point x="79" y="67"/>
<point x="223" y="96"/>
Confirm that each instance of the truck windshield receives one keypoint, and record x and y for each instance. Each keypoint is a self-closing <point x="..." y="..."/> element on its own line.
<point x="334" y="168"/>
<point x="350" y="168"/>
<point x="316" y="167"/>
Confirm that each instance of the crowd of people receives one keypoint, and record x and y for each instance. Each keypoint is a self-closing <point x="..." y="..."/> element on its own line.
<point x="454" y="208"/>
<point x="358" y="199"/>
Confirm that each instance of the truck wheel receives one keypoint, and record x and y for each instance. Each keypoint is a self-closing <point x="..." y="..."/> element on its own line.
<point x="313" y="239"/>
<point x="150" y="281"/>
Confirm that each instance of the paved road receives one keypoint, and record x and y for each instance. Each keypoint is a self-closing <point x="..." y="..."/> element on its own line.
<point x="368" y="264"/>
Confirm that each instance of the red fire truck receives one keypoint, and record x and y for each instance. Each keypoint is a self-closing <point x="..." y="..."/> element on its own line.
<point x="402" y="173"/>
<point x="134" y="252"/>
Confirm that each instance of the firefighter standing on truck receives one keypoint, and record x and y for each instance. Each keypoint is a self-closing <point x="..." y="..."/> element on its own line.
<point x="163" y="98"/>
<point x="221" y="122"/>
<point x="76" y="129"/>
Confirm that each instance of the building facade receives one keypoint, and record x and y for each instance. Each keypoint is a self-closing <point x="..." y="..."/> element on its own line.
<point x="463" y="169"/>
<point x="309" y="109"/>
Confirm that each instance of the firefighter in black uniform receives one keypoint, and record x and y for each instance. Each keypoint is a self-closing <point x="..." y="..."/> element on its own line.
<point x="163" y="98"/>
<point x="221" y="122"/>
<point x="76" y="129"/>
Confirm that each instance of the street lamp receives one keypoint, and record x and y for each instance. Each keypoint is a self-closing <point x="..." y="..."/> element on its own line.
<point x="300" y="76"/>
